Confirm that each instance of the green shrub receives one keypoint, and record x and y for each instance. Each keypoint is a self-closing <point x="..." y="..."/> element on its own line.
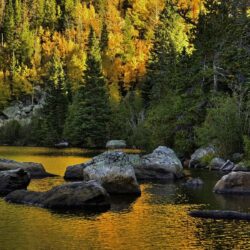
<point x="206" y="159"/>
<point x="222" y="127"/>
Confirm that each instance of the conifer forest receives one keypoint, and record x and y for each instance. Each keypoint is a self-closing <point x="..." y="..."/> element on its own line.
<point x="162" y="72"/>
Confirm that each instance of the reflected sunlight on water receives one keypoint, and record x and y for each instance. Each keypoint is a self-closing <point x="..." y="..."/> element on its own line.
<point x="157" y="220"/>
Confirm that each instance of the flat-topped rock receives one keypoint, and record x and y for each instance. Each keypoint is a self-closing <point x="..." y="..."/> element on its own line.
<point x="162" y="164"/>
<point x="36" y="170"/>
<point x="116" y="144"/>
<point x="78" y="195"/>
<point x="234" y="183"/>
<point x="12" y="180"/>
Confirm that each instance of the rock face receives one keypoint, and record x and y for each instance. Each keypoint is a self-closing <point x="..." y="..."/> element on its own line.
<point x="114" y="171"/>
<point x="216" y="163"/>
<point x="35" y="170"/>
<point x="116" y="144"/>
<point x="234" y="183"/>
<point x="12" y="180"/>
<point x="77" y="195"/>
<point x="198" y="156"/>
<point x="22" y="111"/>
<point x="162" y="164"/>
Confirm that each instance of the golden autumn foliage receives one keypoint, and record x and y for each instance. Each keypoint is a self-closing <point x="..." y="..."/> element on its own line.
<point x="63" y="29"/>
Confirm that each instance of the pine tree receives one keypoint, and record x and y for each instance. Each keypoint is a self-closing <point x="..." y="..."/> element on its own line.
<point x="90" y="109"/>
<point x="55" y="109"/>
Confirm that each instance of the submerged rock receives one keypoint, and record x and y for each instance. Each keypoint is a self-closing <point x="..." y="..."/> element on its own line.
<point x="116" y="144"/>
<point x="114" y="171"/>
<point x="194" y="182"/>
<point x="234" y="183"/>
<point x="12" y="180"/>
<point x="218" y="214"/>
<point x="161" y="164"/>
<point x="197" y="158"/>
<point x="77" y="195"/>
<point x="36" y="170"/>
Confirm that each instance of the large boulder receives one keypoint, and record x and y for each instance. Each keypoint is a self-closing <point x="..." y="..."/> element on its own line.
<point x="216" y="163"/>
<point x="162" y="164"/>
<point x="77" y="195"/>
<point x="114" y="171"/>
<point x="116" y="144"/>
<point x="36" y="170"/>
<point x="198" y="158"/>
<point x="12" y="180"/>
<point x="234" y="183"/>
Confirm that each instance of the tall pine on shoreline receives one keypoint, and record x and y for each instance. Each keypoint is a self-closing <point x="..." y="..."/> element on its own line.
<point x="88" y="119"/>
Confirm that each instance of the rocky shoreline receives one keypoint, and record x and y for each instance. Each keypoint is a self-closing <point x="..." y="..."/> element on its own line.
<point x="114" y="172"/>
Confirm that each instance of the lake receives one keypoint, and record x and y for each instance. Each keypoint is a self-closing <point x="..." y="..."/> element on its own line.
<point x="157" y="220"/>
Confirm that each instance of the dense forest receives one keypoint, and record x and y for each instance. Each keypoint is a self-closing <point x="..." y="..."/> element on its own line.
<point x="162" y="72"/>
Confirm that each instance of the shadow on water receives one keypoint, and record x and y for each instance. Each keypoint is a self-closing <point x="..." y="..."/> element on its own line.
<point x="122" y="203"/>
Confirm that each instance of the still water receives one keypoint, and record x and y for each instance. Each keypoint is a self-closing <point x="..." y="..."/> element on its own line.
<point x="157" y="220"/>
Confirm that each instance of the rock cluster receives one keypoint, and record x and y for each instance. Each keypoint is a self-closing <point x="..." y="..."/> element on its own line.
<point x="112" y="172"/>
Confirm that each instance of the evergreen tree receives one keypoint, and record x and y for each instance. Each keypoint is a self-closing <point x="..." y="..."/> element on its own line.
<point x="90" y="109"/>
<point x="55" y="109"/>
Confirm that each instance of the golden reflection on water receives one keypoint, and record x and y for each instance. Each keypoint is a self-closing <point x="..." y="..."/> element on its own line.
<point x="157" y="220"/>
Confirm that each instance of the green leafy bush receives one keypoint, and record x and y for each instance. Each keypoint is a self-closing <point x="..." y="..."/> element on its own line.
<point x="222" y="127"/>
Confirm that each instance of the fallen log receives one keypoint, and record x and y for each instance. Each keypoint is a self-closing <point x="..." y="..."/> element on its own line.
<point x="220" y="214"/>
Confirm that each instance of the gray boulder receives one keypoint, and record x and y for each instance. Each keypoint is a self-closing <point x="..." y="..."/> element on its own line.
<point x="234" y="183"/>
<point x="162" y="164"/>
<point x="198" y="156"/>
<point x="114" y="171"/>
<point x="12" y="180"/>
<point x="228" y="166"/>
<point x="116" y="144"/>
<point x="77" y="195"/>
<point x="36" y="170"/>
<point x="216" y="163"/>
